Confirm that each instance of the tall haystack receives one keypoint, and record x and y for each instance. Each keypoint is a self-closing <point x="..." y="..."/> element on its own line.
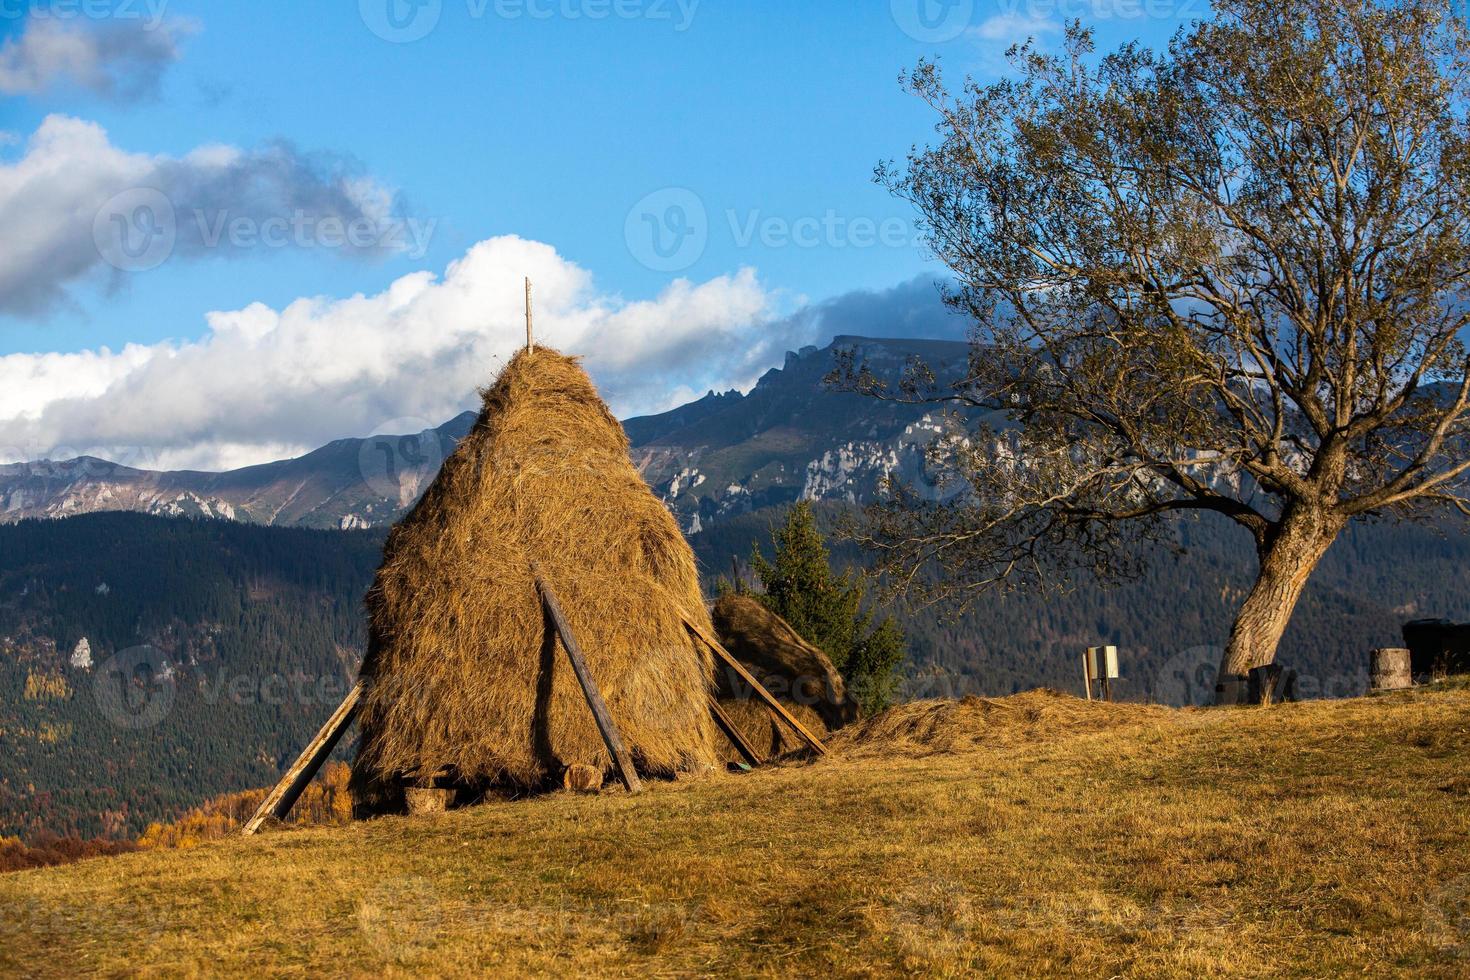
<point x="464" y="678"/>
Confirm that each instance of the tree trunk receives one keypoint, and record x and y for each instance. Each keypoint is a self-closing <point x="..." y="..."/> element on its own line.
<point x="1287" y="561"/>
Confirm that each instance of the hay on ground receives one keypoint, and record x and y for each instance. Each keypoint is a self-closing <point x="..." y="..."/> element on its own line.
<point x="787" y="665"/>
<point x="766" y="735"/>
<point x="464" y="675"/>
<point x="944" y="725"/>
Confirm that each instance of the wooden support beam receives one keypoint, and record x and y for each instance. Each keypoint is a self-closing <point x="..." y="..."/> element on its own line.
<point x="746" y="750"/>
<point x="278" y="801"/>
<point x="756" y="685"/>
<point x="605" y="724"/>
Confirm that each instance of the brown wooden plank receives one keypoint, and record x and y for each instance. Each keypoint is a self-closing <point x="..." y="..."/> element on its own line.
<point x="733" y="734"/>
<point x="283" y="796"/>
<point x="604" y="720"/>
<point x="749" y="678"/>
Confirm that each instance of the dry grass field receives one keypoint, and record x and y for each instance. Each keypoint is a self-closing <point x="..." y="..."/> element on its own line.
<point x="1028" y="835"/>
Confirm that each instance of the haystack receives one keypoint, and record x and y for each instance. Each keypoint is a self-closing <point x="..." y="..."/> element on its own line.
<point x="465" y="680"/>
<point x="790" y="667"/>
<point x="942" y="726"/>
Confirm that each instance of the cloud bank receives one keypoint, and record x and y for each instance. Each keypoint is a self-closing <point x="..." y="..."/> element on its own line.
<point x="118" y="58"/>
<point x="77" y="208"/>
<point x="263" y="383"/>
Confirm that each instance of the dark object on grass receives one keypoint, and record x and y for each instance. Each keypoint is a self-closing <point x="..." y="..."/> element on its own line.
<point x="1437" y="648"/>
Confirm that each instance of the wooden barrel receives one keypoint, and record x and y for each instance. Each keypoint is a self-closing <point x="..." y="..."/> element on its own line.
<point x="1389" y="669"/>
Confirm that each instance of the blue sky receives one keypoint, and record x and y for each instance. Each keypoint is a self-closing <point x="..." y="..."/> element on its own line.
<point x="742" y="134"/>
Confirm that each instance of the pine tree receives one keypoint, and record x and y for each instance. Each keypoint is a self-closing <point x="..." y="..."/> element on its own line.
<point x="828" y="609"/>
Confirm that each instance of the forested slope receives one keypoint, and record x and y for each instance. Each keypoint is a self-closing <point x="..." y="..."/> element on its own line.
<point x="217" y="648"/>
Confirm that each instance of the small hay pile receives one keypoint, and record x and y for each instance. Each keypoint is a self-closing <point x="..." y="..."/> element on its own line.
<point x="940" y="726"/>
<point x="463" y="672"/>
<point x="788" y="666"/>
<point x="765" y="734"/>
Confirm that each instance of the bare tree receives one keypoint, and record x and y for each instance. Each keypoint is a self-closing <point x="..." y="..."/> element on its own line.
<point x="1229" y="277"/>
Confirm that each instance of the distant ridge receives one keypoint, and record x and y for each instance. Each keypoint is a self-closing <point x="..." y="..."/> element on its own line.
<point x="723" y="454"/>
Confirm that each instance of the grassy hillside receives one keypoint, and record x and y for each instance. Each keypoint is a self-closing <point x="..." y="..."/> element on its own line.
<point x="1034" y="834"/>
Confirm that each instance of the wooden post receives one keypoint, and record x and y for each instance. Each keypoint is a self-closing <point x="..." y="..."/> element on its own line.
<point x="1087" y="673"/>
<point x="745" y="675"/>
<point x="605" y="725"/>
<point x="528" y="313"/>
<point x="746" y="750"/>
<point x="278" y="801"/>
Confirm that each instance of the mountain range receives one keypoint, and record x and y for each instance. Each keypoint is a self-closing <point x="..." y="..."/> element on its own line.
<point x="725" y="454"/>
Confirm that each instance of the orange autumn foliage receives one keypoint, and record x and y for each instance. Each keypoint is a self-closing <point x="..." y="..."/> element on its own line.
<point x="325" y="801"/>
<point x="49" y="849"/>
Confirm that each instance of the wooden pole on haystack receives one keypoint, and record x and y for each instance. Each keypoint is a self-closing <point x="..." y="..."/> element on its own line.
<point x="278" y="801"/>
<point x="610" y="736"/>
<point x="775" y="706"/>
<point x="723" y="722"/>
<point x="528" y="314"/>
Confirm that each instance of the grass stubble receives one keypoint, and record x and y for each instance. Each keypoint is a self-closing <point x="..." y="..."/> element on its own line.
<point x="1035" y="835"/>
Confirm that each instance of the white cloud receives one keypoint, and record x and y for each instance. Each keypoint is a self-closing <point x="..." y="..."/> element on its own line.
<point x="120" y="58"/>
<point x="1014" y="28"/>
<point x="263" y="383"/>
<point x="73" y="205"/>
